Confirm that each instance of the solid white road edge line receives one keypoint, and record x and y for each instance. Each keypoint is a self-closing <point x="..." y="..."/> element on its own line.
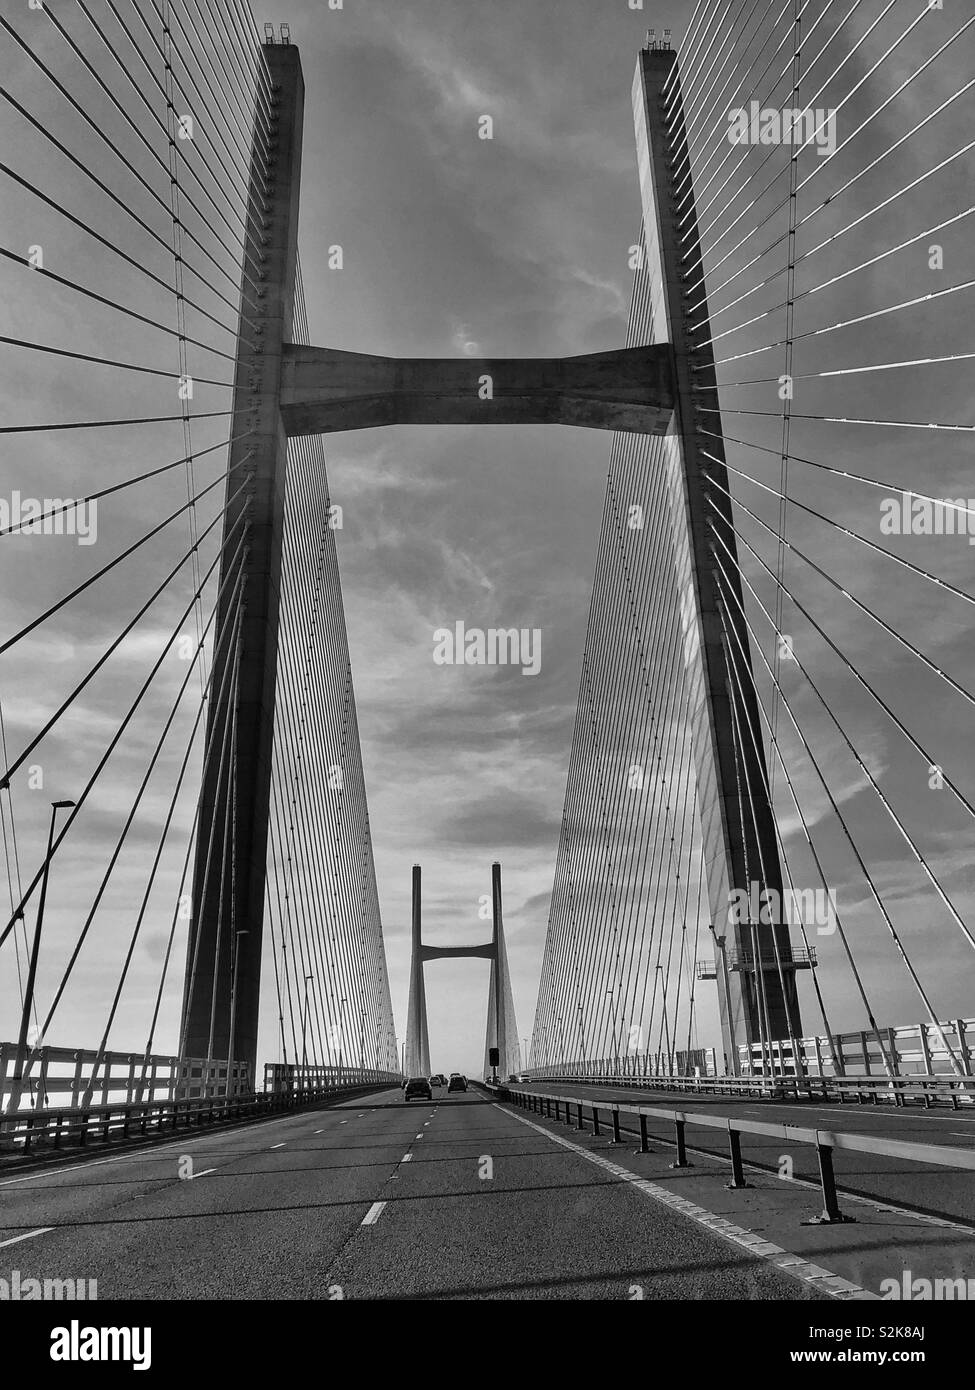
<point x="42" y="1230"/>
<point x="800" y="1269"/>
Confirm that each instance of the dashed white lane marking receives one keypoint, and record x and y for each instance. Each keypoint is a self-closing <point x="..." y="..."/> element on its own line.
<point x="203" y="1174"/>
<point x="28" y="1235"/>
<point x="407" y="1158"/>
<point x="373" y="1214"/>
<point x="278" y="1146"/>
<point x="321" y="1131"/>
<point x="135" y="1155"/>
<point x="819" y="1278"/>
<point x="418" y="1136"/>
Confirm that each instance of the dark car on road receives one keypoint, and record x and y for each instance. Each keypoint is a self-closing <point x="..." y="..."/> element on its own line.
<point x="418" y="1088"/>
<point x="457" y="1083"/>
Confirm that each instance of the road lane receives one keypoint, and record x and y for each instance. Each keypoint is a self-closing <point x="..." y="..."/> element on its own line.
<point x="326" y="1204"/>
<point x="486" y="1208"/>
<point x="279" y="1205"/>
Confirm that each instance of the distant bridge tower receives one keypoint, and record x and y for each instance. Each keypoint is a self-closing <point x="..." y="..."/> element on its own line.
<point x="502" y="1027"/>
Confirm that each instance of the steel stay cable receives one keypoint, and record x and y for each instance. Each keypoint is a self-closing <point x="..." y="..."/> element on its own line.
<point x="814" y="212"/>
<point x="124" y="255"/>
<point x="237" y="610"/>
<point x="822" y="163"/>
<point x="909" y="646"/>
<point x="112" y="304"/>
<point x="93" y="125"/>
<point x="128" y="119"/>
<point x="121" y="202"/>
<point x="704" y="230"/>
<point x="198" y="907"/>
<point x="38" y="738"/>
<point x="115" y="740"/>
<point x="853" y="270"/>
<point x="905" y="834"/>
<point x="92" y="579"/>
<point x="774" y="743"/>
<point x="120" y="845"/>
<point x="842" y="822"/>
<point x="855" y="535"/>
<point x="130" y="482"/>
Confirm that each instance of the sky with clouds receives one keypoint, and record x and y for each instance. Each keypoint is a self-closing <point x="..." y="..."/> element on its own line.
<point x="517" y="246"/>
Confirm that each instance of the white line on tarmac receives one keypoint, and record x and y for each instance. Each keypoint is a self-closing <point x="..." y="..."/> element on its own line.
<point x="149" y="1151"/>
<point x="27" y="1236"/>
<point x="278" y="1146"/>
<point x="203" y="1174"/>
<point x="406" y="1158"/>
<point x="804" y="1270"/>
<point x="373" y="1214"/>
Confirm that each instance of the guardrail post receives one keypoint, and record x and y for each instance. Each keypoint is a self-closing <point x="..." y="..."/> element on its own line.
<point x="595" y="1121"/>
<point x="616" y="1127"/>
<point x="832" y="1215"/>
<point x="681" y="1161"/>
<point x="644" y="1145"/>
<point x="737" y="1171"/>
<point x="83" y="1132"/>
<point x="580" y="1125"/>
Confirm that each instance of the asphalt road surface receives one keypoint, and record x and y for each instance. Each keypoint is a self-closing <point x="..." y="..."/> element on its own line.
<point x="374" y="1199"/>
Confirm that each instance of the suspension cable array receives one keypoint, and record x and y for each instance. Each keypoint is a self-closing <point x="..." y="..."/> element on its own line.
<point x="131" y="262"/>
<point x="817" y="176"/>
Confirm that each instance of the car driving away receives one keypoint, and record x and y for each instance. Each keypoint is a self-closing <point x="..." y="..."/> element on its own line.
<point x="418" y="1088"/>
<point x="456" y="1082"/>
<point x="438" y="1079"/>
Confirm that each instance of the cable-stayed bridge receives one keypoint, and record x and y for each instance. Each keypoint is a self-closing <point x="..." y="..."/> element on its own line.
<point x="760" y="889"/>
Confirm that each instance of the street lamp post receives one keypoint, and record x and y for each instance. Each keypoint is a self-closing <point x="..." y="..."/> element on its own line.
<point x="18" y="1077"/>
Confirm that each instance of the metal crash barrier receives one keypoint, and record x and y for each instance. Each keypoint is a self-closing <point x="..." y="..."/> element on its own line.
<point x="824" y="1141"/>
<point x="926" y="1090"/>
<point x="25" y="1129"/>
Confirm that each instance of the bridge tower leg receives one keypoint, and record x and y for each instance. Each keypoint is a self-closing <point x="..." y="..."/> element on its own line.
<point x="502" y="1031"/>
<point x="417" y="1038"/>
<point x="231" y="848"/>
<point x="737" y="822"/>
